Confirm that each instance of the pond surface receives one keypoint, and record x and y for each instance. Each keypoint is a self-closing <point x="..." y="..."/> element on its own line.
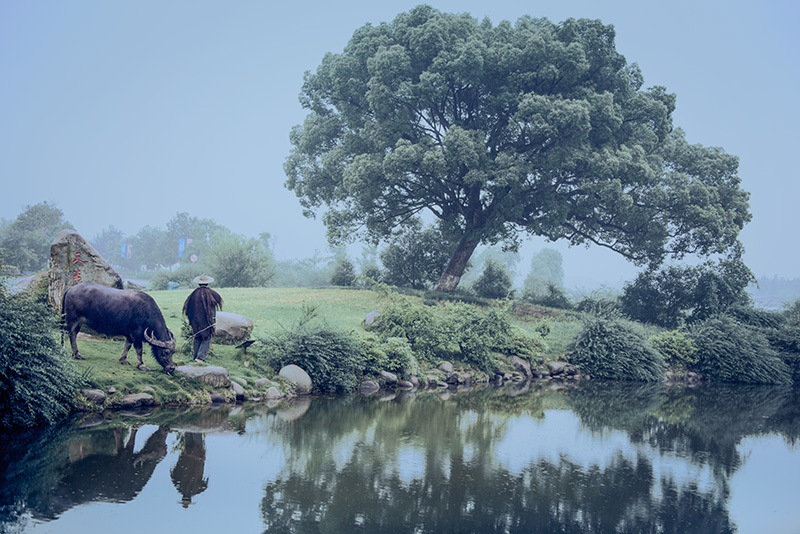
<point x="594" y="457"/>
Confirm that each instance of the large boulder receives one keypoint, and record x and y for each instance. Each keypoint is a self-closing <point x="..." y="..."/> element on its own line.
<point x="73" y="260"/>
<point x="232" y="327"/>
<point x="298" y="377"/>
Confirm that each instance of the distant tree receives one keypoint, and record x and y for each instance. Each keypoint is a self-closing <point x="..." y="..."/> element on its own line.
<point x="494" y="282"/>
<point x="236" y="261"/>
<point x="314" y="271"/>
<point x="344" y="273"/>
<point x="26" y="240"/>
<point x="109" y="244"/>
<point x="532" y="128"/>
<point x="152" y="248"/>
<point x="506" y="259"/>
<point x="198" y="234"/>
<point x="546" y="270"/>
<point x="415" y="257"/>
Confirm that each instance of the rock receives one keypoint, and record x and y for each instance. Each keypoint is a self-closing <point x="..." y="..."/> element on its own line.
<point x="556" y="368"/>
<point x="447" y="367"/>
<point x="522" y="366"/>
<point x="298" y="377"/>
<point x="389" y="378"/>
<point x="261" y="382"/>
<point x="241" y="380"/>
<point x="73" y="260"/>
<point x="368" y="387"/>
<point x="111" y="390"/>
<point x="94" y="395"/>
<point x="295" y="410"/>
<point x="273" y="394"/>
<point x="232" y="327"/>
<point x="238" y="390"/>
<point x="217" y="377"/>
<point x="137" y="400"/>
<point x="217" y="398"/>
<point x="371" y="319"/>
<point x="405" y="384"/>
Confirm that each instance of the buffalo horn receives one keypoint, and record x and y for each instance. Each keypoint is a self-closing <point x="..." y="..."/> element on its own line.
<point x="163" y="344"/>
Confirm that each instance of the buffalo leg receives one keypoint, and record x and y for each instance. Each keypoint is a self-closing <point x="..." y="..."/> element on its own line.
<point x="73" y="341"/>
<point x="138" y="347"/>
<point x="124" y="358"/>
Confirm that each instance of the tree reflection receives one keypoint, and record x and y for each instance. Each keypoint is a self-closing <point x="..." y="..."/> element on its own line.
<point x="421" y="465"/>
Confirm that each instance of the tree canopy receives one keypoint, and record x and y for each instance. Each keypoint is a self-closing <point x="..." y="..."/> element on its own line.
<point x="500" y="131"/>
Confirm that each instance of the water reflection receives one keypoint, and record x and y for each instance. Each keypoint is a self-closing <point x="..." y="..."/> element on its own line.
<point x="596" y="457"/>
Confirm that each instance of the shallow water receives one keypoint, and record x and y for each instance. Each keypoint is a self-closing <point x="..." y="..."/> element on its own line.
<point x="595" y="457"/>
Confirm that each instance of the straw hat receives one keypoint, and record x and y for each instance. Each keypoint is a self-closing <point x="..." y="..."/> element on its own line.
<point x="203" y="280"/>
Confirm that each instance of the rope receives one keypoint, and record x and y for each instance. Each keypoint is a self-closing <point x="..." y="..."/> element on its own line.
<point x="204" y="329"/>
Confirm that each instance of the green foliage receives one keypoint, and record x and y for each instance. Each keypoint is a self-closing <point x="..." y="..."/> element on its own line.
<point x="501" y="131"/>
<point x="676" y="347"/>
<point x="493" y="283"/>
<point x="553" y="296"/>
<point x="729" y="351"/>
<point x="546" y="270"/>
<point x="670" y="296"/>
<point x="239" y="262"/>
<point x="398" y="356"/>
<point x="332" y="358"/>
<point x="415" y="257"/>
<point x="183" y="275"/>
<point x="456" y="331"/>
<point x="609" y="348"/>
<point x="37" y="379"/>
<point x="26" y="240"/>
<point x="344" y="274"/>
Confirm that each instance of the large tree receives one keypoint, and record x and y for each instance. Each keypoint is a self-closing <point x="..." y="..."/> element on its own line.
<point x="498" y="131"/>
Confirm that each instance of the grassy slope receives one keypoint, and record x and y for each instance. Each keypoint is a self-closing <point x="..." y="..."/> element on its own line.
<point x="270" y="309"/>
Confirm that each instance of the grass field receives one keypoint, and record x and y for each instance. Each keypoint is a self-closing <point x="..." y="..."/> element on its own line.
<point x="270" y="309"/>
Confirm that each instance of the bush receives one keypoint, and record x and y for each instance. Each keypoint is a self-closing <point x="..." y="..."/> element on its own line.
<point x="184" y="275"/>
<point x="609" y="348"/>
<point x="730" y="351"/>
<point x="37" y="380"/>
<point x="676" y="348"/>
<point x="456" y="331"/>
<point x="332" y="358"/>
<point x="553" y="296"/>
<point x="493" y="283"/>
<point x="344" y="274"/>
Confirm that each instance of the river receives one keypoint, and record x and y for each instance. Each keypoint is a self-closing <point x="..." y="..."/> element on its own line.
<point x="592" y="457"/>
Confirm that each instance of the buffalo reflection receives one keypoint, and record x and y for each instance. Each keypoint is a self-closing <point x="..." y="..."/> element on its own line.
<point x="103" y="466"/>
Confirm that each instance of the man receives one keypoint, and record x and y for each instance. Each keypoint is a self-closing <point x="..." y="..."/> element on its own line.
<point x="201" y="309"/>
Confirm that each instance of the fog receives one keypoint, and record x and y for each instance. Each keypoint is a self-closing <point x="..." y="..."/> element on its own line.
<point x="125" y="114"/>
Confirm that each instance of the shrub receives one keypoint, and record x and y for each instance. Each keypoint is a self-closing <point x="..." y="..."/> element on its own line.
<point x="332" y="358"/>
<point x="456" y="331"/>
<point x="729" y="351"/>
<point x="37" y="380"/>
<point x="238" y="262"/>
<point x="676" y="348"/>
<point x="609" y="348"/>
<point x="184" y="275"/>
<point x="344" y="274"/>
<point x="493" y="283"/>
<point x="398" y="356"/>
<point x="553" y="296"/>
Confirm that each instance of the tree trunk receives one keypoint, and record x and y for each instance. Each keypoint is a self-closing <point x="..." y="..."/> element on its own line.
<point x="458" y="262"/>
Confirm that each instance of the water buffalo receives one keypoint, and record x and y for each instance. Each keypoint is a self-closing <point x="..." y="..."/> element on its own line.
<point x="115" y="312"/>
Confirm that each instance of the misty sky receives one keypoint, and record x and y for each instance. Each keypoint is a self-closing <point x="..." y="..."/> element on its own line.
<point x="126" y="113"/>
